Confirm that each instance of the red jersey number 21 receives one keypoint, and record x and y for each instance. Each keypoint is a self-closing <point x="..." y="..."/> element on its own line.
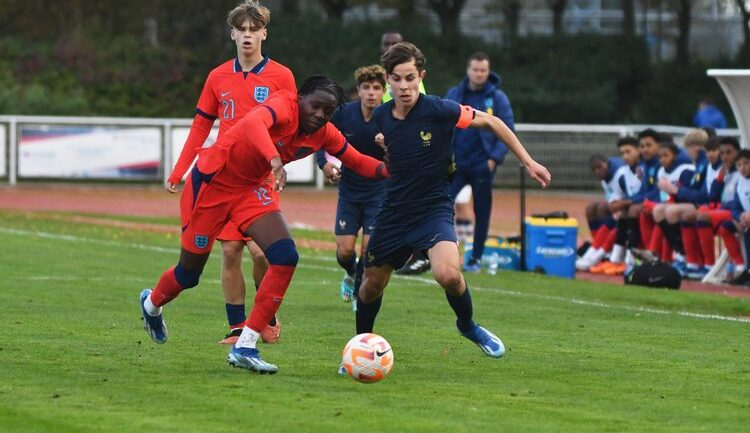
<point x="228" y="108"/>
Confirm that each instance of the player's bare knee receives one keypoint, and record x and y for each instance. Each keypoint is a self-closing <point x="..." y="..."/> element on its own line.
<point x="672" y="215"/>
<point x="370" y="290"/>
<point x="591" y="209"/>
<point x="448" y="277"/>
<point x="231" y="254"/>
<point x="602" y="211"/>
<point x="345" y="252"/>
<point x="635" y="211"/>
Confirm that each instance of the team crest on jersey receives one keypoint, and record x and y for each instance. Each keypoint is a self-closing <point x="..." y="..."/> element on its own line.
<point x="426" y="138"/>
<point x="261" y="93"/>
<point x="201" y="241"/>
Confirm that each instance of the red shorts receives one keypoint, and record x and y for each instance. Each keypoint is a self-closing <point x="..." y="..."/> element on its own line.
<point x="648" y="206"/>
<point x="229" y="232"/>
<point x="718" y="216"/>
<point x="205" y="212"/>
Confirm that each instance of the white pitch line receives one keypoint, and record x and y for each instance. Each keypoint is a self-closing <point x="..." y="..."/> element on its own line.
<point x="574" y="301"/>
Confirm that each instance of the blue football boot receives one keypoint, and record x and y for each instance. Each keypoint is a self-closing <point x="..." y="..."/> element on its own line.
<point x="347" y="288"/>
<point x="249" y="359"/>
<point x="697" y="273"/>
<point x="154" y="325"/>
<point x="490" y="344"/>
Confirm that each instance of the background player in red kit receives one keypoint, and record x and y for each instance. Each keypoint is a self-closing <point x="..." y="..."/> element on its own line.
<point x="230" y="184"/>
<point x="231" y="90"/>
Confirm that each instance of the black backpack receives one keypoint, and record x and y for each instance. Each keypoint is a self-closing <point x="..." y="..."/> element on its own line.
<point x="656" y="274"/>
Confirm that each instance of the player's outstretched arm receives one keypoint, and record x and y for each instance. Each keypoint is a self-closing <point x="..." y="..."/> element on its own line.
<point x="363" y="165"/>
<point x="199" y="132"/>
<point x="537" y="171"/>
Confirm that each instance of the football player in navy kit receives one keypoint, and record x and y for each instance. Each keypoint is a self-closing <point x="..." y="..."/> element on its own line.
<point x="417" y="210"/>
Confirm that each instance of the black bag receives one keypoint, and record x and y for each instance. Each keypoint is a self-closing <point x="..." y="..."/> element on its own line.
<point x="656" y="274"/>
<point x="556" y="214"/>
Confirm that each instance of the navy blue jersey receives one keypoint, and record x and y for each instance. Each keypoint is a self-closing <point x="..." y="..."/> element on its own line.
<point x="695" y="191"/>
<point x="420" y="151"/>
<point x="360" y="134"/>
<point x="647" y="173"/>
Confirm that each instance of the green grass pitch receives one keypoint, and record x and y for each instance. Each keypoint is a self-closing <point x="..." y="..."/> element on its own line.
<point x="581" y="357"/>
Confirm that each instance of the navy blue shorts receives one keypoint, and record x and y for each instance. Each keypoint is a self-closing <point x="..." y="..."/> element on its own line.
<point x="397" y="235"/>
<point x="350" y="216"/>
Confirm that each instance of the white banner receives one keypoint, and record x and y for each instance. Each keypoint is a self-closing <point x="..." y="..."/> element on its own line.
<point x="3" y="151"/>
<point x="301" y="171"/>
<point x="89" y="152"/>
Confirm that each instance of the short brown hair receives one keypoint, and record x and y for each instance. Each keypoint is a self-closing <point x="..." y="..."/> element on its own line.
<point x="258" y="15"/>
<point x="366" y="74"/>
<point x="403" y="52"/>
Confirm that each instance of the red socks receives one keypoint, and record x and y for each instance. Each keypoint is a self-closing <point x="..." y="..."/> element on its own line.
<point x="600" y="240"/>
<point x="732" y="245"/>
<point x="269" y="296"/>
<point x="692" y="245"/>
<point x="166" y="289"/>
<point x="706" y="238"/>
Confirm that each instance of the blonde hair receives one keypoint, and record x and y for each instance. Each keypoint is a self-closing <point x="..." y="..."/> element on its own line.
<point x="258" y="15"/>
<point x="696" y="137"/>
<point x="366" y="74"/>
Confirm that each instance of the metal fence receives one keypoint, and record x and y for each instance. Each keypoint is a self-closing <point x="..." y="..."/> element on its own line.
<point x="564" y="149"/>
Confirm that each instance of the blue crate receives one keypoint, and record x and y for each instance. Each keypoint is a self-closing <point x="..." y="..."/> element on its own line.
<point x="551" y="245"/>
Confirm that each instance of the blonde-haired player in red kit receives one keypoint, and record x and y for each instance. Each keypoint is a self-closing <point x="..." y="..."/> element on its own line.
<point x="231" y="90"/>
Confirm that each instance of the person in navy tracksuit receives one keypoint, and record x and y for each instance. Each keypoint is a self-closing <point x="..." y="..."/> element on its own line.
<point x="478" y="152"/>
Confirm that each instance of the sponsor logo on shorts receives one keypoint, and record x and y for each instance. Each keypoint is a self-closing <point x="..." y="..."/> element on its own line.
<point x="342" y="224"/>
<point x="223" y="94"/>
<point x="201" y="241"/>
<point x="370" y="257"/>
<point x="434" y="238"/>
<point x="261" y="93"/>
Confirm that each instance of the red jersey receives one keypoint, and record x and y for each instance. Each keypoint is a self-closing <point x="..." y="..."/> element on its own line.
<point x="229" y="94"/>
<point x="241" y="156"/>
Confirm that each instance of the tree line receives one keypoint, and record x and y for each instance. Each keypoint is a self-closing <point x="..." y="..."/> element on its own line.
<point x="127" y="58"/>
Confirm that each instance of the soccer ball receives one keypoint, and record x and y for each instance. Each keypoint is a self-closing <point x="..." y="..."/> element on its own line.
<point x="368" y="358"/>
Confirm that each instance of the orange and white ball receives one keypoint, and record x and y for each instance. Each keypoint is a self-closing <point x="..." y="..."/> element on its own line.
<point x="368" y="358"/>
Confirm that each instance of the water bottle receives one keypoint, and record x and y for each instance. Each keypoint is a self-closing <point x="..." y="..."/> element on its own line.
<point x="492" y="267"/>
